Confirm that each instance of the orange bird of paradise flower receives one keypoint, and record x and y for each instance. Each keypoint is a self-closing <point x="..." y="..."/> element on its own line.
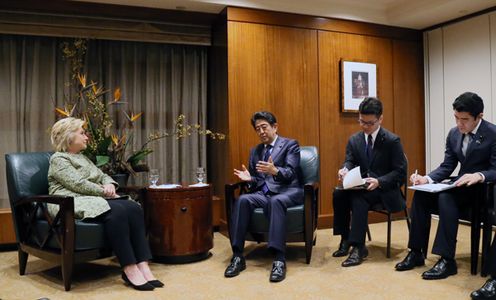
<point x="133" y="116"/>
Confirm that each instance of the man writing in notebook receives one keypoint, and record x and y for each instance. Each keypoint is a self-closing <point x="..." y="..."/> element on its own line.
<point x="382" y="162"/>
<point x="472" y="143"/>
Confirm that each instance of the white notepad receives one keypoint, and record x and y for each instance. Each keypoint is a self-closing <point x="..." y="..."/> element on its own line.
<point x="432" y="187"/>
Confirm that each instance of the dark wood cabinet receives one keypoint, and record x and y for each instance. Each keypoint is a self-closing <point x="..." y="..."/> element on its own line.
<point x="179" y="223"/>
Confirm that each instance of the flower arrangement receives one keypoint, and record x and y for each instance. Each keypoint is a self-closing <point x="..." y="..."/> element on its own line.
<point x="108" y="145"/>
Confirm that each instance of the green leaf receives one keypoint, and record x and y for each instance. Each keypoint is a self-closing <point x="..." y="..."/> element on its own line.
<point x="139" y="156"/>
<point x="102" y="160"/>
<point x="104" y="145"/>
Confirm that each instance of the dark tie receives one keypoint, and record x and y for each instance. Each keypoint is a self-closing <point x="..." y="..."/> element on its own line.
<point x="266" y="156"/>
<point x="369" y="148"/>
<point x="267" y="152"/>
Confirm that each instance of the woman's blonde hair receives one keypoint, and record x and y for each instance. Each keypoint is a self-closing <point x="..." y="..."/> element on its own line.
<point x="63" y="131"/>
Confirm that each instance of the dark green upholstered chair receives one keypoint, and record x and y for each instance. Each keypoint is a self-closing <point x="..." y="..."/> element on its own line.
<point x="61" y="239"/>
<point x="301" y="219"/>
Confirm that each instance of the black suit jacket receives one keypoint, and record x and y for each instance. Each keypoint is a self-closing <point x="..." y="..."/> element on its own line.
<point x="388" y="165"/>
<point x="286" y="157"/>
<point x="480" y="156"/>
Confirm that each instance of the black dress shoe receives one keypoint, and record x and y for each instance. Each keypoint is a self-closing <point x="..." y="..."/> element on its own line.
<point x="442" y="269"/>
<point x="356" y="256"/>
<point x="156" y="283"/>
<point x="278" y="272"/>
<point x="487" y="291"/>
<point x="142" y="287"/>
<point x="412" y="260"/>
<point x="343" y="250"/>
<point x="235" y="267"/>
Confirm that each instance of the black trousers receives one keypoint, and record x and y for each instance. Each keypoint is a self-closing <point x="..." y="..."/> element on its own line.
<point x="491" y="260"/>
<point x="351" y="211"/>
<point x="125" y="229"/>
<point x="274" y="207"/>
<point x="448" y="205"/>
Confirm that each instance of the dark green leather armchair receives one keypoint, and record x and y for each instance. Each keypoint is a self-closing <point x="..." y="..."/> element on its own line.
<point x="301" y="219"/>
<point x="61" y="239"/>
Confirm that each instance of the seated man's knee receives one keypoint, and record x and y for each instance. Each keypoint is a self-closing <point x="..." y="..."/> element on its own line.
<point x="243" y="201"/>
<point x="278" y="201"/>
<point x="446" y="202"/>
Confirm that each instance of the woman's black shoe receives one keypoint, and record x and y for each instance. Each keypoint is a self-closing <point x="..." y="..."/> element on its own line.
<point x="156" y="283"/>
<point x="143" y="287"/>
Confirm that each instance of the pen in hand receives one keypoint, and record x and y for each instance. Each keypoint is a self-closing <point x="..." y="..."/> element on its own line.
<point x="415" y="176"/>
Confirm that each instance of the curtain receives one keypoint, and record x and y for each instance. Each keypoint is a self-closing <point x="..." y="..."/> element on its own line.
<point x="160" y="80"/>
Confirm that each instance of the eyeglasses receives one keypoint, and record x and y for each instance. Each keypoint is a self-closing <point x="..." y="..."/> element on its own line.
<point x="367" y="123"/>
<point x="262" y="127"/>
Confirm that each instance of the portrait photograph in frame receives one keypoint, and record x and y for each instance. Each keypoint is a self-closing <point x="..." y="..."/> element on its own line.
<point x="358" y="80"/>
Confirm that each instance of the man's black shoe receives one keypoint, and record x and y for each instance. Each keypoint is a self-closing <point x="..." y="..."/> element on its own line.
<point x="412" y="260"/>
<point x="278" y="272"/>
<point x="343" y="250"/>
<point x="487" y="291"/>
<point x="235" y="267"/>
<point x="356" y="256"/>
<point x="442" y="269"/>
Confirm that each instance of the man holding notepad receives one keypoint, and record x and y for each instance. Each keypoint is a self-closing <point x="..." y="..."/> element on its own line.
<point x="472" y="143"/>
<point x="379" y="155"/>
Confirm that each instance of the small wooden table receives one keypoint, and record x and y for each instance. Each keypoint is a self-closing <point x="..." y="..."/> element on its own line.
<point x="179" y="223"/>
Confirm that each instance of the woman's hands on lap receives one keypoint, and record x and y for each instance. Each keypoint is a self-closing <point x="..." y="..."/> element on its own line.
<point x="109" y="190"/>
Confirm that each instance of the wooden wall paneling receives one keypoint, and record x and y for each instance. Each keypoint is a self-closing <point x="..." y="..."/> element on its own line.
<point x="335" y="126"/>
<point x="408" y="89"/>
<point x="271" y="68"/>
<point x="320" y="23"/>
<point x="218" y="163"/>
<point x="7" y="233"/>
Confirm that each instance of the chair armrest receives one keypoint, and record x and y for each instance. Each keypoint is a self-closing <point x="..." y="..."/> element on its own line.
<point x="313" y="187"/>
<point x="64" y="219"/>
<point x="311" y="205"/>
<point x="230" y="195"/>
<point x="55" y="199"/>
<point x="230" y="189"/>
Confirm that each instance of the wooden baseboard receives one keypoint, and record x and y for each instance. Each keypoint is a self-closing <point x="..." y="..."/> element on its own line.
<point x="7" y="233"/>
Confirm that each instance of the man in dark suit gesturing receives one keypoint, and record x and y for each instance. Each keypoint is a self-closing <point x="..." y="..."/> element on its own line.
<point x="275" y="183"/>
<point x="472" y="143"/>
<point x="382" y="162"/>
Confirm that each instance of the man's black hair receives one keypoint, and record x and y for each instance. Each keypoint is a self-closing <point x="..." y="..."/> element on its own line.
<point x="263" y="115"/>
<point x="371" y="106"/>
<point x="469" y="102"/>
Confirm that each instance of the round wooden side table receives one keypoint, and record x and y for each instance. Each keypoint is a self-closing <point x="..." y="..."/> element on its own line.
<point x="179" y="223"/>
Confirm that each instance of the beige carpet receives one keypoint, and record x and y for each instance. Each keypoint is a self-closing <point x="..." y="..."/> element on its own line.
<point x="324" y="278"/>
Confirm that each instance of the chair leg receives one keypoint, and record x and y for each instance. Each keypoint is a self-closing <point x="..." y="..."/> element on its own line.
<point x="67" y="265"/>
<point x="486" y="241"/>
<point x="388" y="247"/>
<point x="23" y="260"/>
<point x="474" y="251"/>
<point x="368" y="233"/>
<point x="308" y="249"/>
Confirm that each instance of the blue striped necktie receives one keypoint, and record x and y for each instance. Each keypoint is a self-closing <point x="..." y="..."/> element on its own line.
<point x="268" y="148"/>
<point x="267" y="152"/>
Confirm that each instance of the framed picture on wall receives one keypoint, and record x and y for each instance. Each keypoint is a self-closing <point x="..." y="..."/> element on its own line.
<point x="358" y="80"/>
